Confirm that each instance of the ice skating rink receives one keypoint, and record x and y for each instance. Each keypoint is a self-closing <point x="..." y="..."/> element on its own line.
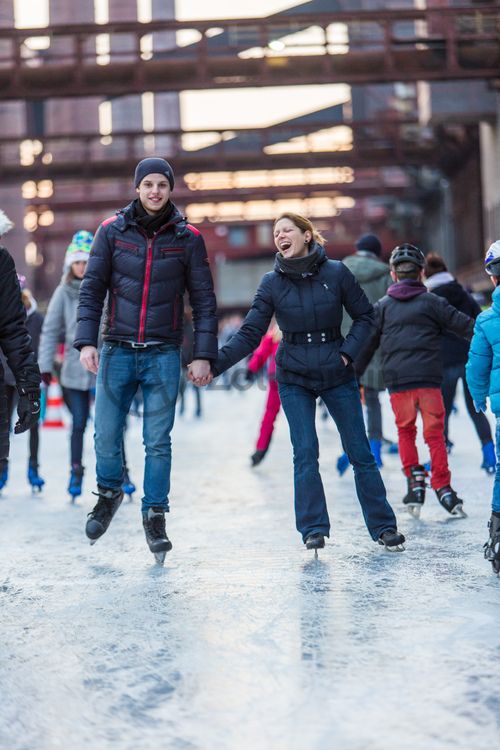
<point x="243" y="640"/>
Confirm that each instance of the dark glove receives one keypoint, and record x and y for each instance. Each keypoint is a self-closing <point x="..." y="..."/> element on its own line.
<point x="46" y="377"/>
<point x="28" y="409"/>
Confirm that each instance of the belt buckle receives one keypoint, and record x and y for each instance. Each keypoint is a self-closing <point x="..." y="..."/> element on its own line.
<point x="137" y="345"/>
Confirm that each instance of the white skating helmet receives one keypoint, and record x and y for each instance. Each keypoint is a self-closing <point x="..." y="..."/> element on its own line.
<point x="492" y="259"/>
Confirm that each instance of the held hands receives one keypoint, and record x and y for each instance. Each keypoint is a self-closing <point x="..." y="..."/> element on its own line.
<point x="199" y="372"/>
<point x="89" y="358"/>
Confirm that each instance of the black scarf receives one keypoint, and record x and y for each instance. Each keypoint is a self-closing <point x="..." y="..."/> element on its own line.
<point x="151" y="223"/>
<point x="298" y="267"/>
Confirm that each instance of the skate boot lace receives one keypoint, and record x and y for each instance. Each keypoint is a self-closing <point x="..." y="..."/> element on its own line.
<point x="103" y="510"/>
<point x="156" y="526"/>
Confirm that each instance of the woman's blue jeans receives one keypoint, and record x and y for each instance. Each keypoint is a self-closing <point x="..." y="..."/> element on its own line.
<point x="344" y="404"/>
<point x="156" y="370"/>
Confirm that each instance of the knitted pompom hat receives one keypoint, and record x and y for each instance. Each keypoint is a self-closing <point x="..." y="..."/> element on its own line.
<point x="79" y="247"/>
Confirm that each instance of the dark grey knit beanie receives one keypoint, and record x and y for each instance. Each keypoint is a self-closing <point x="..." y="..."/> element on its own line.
<point x="153" y="165"/>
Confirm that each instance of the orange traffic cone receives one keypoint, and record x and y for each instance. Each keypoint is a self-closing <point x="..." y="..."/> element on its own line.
<point x="53" y="412"/>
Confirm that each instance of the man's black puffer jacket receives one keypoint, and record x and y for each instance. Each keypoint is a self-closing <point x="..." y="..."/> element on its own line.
<point x="310" y="304"/>
<point x="146" y="279"/>
<point x="15" y="343"/>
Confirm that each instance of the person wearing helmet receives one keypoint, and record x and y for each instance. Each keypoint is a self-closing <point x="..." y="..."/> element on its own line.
<point x="483" y="378"/>
<point x="59" y="325"/>
<point x="409" y="326"/>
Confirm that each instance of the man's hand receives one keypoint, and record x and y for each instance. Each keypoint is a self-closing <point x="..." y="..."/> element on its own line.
<point x="199" y="372"/>
<point x="28" y="409"/>
<point x="89" y="358"/>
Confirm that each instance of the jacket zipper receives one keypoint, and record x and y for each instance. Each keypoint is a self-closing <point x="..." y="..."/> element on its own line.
<point x="145" y="291"/>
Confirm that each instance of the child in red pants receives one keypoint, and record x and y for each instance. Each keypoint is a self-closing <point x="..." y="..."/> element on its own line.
<point x="266" y="351"/>
<point x="410" y="323"/>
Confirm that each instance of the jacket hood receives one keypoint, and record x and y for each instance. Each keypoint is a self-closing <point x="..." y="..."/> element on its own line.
<point x="366" y="266"/>
<point x="438" y="279"/>
<point x="454" y="291"/>
<point x="495" y="300"/>
<point x="406" y="289"/>
<point x="126" y="216"/>
<point x="282" y="265"/>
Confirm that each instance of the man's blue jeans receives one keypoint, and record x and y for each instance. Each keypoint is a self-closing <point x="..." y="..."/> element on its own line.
<point x="121" y="371"/>
<point x="344" y="404"/>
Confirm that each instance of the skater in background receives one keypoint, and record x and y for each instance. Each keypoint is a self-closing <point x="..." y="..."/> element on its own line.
<point x="455" y="351"/>
<point x="143" y="258"/>
<point x="77" y="383"/>
<point x="34" y="322"/>
<point x="307" y="292"/>
<point x="186" y="357"/>
<point x="16" y="345"/>
<point x="374" y="279"/>
<point x="266" y="353"/>
<point x="483" y="379"/>
<point x="409" y="326"/>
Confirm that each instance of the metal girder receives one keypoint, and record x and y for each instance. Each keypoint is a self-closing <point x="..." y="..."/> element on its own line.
<point x="375" y="144"/>
<point x="381" y="46"/>
<point x="182" y="196"/>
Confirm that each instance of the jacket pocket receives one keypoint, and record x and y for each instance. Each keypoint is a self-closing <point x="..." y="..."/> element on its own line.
<point x="122" y="245"/>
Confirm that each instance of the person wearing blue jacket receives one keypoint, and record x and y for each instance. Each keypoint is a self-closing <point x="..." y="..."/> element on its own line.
<point x="307" y="293"/>
<point x="483" y="378"/>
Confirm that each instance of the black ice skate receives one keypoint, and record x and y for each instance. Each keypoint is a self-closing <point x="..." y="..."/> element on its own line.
<point x="106" y="507"/>
<point x="393" y="541"/>
<point x="415" y="497"/>
<point x="492" y="546"/>
<point x="451" y="502"/>
<point x="315" y="542"/>
<point x="156" y="536"/>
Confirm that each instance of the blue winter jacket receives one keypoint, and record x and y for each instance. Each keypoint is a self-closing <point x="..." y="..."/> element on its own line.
<point x="308" y="304"/>
<point x="483" y="366"/>
<point x="145" y="280"/>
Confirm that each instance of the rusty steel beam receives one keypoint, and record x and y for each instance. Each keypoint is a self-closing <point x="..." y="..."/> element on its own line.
<point x="182" y="196"/>
<point x="457" y="43"/>
<point x="376" y="144"/>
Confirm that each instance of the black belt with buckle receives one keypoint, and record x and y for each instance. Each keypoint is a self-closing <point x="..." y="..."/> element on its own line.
<point x="312" y="337"/>
<point x="130" y="344"/>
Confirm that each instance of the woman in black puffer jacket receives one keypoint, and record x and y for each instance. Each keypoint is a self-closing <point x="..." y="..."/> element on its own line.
<point x="307" y="293"/>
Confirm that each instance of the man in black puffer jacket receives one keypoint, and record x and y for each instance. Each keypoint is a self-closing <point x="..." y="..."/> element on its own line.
<point x="16" y="345"/>
<point x="410" y="324"/>
<point x="455" y="352"/>
<point x="144" y="259"/>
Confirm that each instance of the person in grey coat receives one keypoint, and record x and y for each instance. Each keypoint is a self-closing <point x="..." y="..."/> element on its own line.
<point x="374" y="278"/>
<point x="59" y="325"/>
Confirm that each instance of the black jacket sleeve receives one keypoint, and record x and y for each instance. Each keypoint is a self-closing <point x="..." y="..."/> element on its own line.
<point x="360" y="309"/>
<point x="248" y="337"/>
<point x="200" y="286"/>
<point x="15" y="340"/>
<point x="452" y="320"/>
<point x="93" y="291"/>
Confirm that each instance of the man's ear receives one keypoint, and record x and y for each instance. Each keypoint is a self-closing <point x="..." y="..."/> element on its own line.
<point x="393" y="275"/>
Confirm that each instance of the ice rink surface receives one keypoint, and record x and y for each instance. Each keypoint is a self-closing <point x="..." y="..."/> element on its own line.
<point x="243" y="640"/>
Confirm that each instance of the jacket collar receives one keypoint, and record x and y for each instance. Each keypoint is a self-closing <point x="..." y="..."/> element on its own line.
<point x="126" y="218"/>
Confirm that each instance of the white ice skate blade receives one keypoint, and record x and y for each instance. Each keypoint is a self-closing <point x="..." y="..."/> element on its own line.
<point x="92" y="542"/>
<point x="160" y="557"/>
<point x="458" y="512"/>
<point x="414" y="510"/>
<point x="395" y="548"/>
